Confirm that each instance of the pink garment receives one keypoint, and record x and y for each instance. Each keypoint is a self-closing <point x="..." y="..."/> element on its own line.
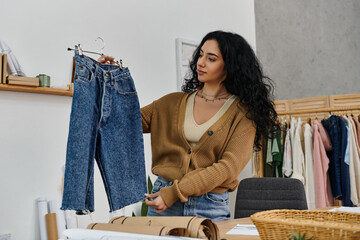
<point x="323" y="194"/>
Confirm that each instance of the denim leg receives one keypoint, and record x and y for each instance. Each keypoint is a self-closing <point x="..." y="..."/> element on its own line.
<point x="78" y="185"/>
<point x="214" y="206"/>
<point x="121" y="151"/>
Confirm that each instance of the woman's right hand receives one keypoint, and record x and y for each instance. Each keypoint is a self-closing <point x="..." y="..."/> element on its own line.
<point x="155" y="201"/>
<point x="104" y="59"/>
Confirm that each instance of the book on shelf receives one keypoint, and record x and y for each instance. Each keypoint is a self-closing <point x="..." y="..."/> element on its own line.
<point x="23" y="81"/>
<point x="4" y="68"/>
<point x="1" y="57"/>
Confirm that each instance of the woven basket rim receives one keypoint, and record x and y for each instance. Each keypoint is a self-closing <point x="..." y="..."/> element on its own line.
<point x="260" y="218"/>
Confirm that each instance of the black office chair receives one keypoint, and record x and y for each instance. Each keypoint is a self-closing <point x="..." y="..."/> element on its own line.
<point x="260" y="194"/>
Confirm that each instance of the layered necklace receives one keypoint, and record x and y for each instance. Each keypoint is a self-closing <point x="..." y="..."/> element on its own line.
<point x="209" y="98"/>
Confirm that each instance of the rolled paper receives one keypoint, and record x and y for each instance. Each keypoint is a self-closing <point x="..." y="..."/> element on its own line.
<point x="51" y="226"/>
<point x="42" y="210"/>
<point x="157" y="230"/>
<point x="198" y="227"/>
<point x="54" y="207"/>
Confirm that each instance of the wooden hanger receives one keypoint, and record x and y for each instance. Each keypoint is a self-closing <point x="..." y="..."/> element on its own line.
<point x="288" y="121"/>
<point x="277" y="121"/>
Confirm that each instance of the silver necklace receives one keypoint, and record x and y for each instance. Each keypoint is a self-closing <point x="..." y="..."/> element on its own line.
<point x="209" y="98"/>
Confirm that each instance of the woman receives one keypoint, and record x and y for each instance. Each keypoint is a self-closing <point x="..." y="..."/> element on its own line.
<point x="203" y="137"/>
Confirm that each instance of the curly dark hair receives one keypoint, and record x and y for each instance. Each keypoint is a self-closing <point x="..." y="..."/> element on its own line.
<point x="244" y="79"/>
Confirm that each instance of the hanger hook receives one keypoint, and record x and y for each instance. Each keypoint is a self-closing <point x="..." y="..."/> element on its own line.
<point x="103" y="44"/>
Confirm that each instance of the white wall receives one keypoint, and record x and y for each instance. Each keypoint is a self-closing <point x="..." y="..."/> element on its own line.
<point x="34" y="127"/>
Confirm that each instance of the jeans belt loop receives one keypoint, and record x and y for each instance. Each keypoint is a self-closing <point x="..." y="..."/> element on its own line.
<point x="112" y="80"/>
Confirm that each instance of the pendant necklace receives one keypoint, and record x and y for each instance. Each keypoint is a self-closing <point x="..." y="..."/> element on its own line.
<point x="209" y="98"/>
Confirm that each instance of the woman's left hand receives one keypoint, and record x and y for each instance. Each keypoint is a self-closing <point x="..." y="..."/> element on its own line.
<point x="104" y="59"/>
<point x="157" y="203"/>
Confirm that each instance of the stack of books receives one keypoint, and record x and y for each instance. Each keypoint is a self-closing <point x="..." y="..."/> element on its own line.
<point x="23" y="81"/>
<point x="14" y="80"/>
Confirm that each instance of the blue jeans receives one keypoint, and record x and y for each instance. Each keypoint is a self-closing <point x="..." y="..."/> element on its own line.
<point x="105" y="124"/>
<point x="345" y="175"/>
<point x="332" y="127"/>
<point x="214" y="206"/>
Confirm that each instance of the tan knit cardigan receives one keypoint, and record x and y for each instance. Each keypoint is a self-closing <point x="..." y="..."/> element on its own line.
<point x="218" y="158"/>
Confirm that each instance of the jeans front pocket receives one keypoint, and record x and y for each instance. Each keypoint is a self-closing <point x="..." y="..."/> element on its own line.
<point x="125" y="86"/>
<point x="157" y="186"/>
<point x="217" y="198"/>
<point x="83" y="73"/>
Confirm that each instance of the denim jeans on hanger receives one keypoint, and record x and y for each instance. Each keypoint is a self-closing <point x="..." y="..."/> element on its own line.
<point x="332" y="127"/>
<point x="105" y="124"/>
<point x="345" y="175"/>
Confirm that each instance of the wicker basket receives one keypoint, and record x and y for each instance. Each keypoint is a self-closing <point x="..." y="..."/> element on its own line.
<point x="279" y="224"/>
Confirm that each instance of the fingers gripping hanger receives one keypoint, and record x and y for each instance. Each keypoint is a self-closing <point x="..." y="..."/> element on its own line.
<point x="81" y="52"/>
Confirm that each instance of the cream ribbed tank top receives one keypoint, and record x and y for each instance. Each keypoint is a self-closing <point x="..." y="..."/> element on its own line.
<point x="192" y="130"/>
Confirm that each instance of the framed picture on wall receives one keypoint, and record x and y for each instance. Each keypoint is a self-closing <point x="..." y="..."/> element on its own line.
<point x="184" y="51"/>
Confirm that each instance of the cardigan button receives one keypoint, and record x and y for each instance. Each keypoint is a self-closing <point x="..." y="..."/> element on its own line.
<point x="210" y="133"/>
<point x="189" y="151"/>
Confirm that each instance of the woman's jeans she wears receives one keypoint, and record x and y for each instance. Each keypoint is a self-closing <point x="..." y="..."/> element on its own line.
<point x="105" y="124"/>
<point x="214" y="206"/>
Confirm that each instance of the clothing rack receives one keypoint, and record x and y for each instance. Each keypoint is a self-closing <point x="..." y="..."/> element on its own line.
<point x="313" y="107"/>
<point x="329" y="110"/>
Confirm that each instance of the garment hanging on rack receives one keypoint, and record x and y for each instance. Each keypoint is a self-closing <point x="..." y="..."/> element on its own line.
<point x="298" y="155"/>
<point x="323" y="194"/>
<point x="287" y="160"/>
<point x="105" y="124"/>
<point x="309" y="166"/>
<point x="344" y="164"/>
<point x="332" y="128"/>
<point x="276" y="152"/>
<point x="357" y="124"/>
<point x="268" y="160"/>
<point x="273" y="148"/>
<point x="354" y="166"/>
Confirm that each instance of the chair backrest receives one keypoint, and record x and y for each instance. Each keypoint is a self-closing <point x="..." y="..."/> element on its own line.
<point x="260" y="194"/>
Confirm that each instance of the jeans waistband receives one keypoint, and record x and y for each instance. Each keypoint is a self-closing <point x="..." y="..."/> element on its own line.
<point x="108" y="71"/>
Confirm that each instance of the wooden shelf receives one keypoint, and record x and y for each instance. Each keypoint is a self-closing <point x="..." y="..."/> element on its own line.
<point x="41" y="90"/>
